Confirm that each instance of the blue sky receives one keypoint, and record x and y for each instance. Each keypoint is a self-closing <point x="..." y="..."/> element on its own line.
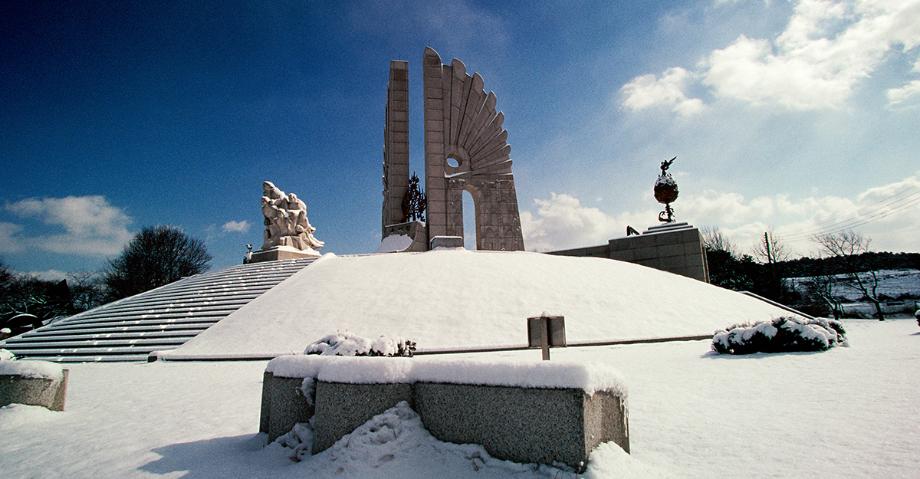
<point x="799" y="117"/>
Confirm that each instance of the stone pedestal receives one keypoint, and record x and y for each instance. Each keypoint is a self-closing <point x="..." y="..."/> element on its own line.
<point x="446" y="242"/>
<point x="673" y="247"/>
<point x="281" y="252"/>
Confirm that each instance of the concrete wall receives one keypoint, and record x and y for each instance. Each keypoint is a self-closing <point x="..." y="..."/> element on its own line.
<point x="528" y="425"/>
<point x="677" y="250"/>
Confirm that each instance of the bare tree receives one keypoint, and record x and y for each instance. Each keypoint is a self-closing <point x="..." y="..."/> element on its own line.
<point x="156" y="256"/>
<point x="849" y="246"/>
<point x="86" y="289"/>
<point x="823" y="286"/>
<point x="714" y="240"/>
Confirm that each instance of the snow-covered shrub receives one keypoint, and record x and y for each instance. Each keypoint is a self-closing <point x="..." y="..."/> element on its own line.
<point x="6" y="355"/>
<point x="780" y="335"/>
<point x="347" y="344"/>
<point x="917" y="315"/>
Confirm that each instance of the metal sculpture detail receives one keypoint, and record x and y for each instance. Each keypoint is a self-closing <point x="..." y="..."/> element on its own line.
<point x="414" y="203"/>
<point x="666" y="192"/>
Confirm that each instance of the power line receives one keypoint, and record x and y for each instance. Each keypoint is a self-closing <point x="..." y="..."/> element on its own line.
<point x="902" y="197"/>
<point x="837" y="226"/>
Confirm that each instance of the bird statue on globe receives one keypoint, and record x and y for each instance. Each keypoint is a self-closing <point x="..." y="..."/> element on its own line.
<point x="666" y="192"/>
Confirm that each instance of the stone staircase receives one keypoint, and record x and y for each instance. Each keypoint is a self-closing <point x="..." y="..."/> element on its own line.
<point x="157" y="320"/>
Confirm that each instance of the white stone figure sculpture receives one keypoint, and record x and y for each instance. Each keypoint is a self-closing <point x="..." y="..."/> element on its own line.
<point x="286" y="222"/>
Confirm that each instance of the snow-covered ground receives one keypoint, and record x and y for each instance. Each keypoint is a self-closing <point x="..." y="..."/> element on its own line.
<point x="459" y="299"/>
<point x="847" y="412"/>
<point x="892" y="282"/>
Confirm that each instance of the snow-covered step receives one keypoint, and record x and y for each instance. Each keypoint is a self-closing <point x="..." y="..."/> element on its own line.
<point x="141" y="328"/>
<point x="92" y="350"/>
<point x="161" y="311"/>
<point x="227" y="285"/>
<point x="195" y="295"/>
<point x="92" y="359"/>
<point x="203" y="301"/>
<point x="160" y="319"/>
<point x="133" y="322"/>
<point x="115" y="335"/>
<point x="166" y="342"/>
<point x="243" y="295"/>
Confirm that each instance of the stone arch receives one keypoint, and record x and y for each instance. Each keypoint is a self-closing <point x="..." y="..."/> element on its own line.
<point x="461" y="123"/>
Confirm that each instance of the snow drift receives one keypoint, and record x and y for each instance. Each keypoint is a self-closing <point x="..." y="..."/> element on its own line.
<point x="455" y="299"/>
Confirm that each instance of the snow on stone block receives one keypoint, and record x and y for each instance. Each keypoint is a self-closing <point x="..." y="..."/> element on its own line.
<point x="538" y="412"/>
<point x="369" y="370"/>
<point x="543" y="374"/>
<point x="360" y="370"/>
<point x="6" y="355"/>
<point x="31" y="369"/>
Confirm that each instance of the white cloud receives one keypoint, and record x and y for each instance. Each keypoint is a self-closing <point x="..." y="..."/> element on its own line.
<point x="561" y="221"/>
<point x="890" y="214"/>
<point x="649" y="91"/>
<point x="92" y="226"/>
<point x="10" y="242"/>
<point x="825" y="51"/>
<point x="903" y="95"/>
<point x="236" y="226"/>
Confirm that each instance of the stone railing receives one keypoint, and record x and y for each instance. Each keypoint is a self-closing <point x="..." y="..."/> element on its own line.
<point x="548" y="412"/>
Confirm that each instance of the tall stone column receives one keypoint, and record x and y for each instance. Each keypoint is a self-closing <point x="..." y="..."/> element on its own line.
<point x="435" y="183"/>
<point x="396" y="144"/>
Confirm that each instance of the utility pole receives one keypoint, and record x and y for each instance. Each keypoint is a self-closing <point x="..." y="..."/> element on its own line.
<point x="772" y="262"/>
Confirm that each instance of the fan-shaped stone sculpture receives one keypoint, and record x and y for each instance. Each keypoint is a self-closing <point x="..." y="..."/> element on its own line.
<point x="466" y="149"/>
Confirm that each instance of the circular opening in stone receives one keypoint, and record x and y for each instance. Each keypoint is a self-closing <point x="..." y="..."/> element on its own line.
<point x="453" y="163"/>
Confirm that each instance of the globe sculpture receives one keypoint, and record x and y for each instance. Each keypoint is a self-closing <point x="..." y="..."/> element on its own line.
<point x="666" y="192"/>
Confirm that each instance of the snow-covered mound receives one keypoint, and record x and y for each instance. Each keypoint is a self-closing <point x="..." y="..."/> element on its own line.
<point x="459" y="299"/>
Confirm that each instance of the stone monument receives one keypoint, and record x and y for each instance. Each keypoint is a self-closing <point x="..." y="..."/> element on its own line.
<point x="466" y="149"/>
<point x="288" y="233"/>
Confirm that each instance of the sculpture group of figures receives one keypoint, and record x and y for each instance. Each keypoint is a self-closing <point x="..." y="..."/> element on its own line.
<point x="286" y="222"/>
